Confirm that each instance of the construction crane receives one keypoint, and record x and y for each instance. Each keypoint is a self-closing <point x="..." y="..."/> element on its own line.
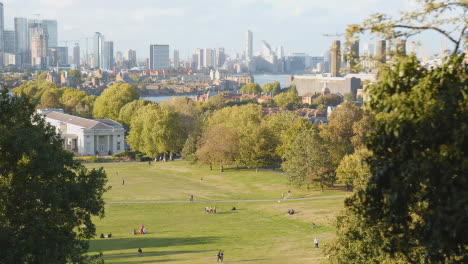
<point x="334" y="35"/>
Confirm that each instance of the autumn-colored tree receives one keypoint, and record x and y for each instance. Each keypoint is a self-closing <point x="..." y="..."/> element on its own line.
<point x="219" y="145"/>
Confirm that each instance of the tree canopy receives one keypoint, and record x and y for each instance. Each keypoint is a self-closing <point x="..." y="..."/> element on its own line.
<point x="109" y="103"/>
<point x="272" y="87"/>
<point x="251" y="88"/>
<point x="45" y="196"/>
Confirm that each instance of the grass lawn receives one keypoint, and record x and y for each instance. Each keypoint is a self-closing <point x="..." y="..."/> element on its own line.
<point x="258" y="232"/>
<point x="176" y="180"/>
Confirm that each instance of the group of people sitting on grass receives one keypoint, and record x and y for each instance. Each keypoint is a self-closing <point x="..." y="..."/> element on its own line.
<point x="210" y="209"/>
<point x="108" y="236"/>
<point x="141" y="231"/>
<point x="290" y="211"/>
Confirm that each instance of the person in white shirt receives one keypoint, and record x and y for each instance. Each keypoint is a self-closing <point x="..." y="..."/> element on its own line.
<point x="316" y="242"/>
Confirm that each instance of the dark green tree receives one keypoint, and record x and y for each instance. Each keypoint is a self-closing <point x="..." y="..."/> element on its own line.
<point x="46" y="198"/>
<point x="251" y="88"/>
<point x="273" y="87"/>
<point x="109" y="103"/>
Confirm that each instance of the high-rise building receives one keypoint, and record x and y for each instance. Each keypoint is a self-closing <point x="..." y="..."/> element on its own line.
<point x="118" y="56"/>
<point x="9" y="39"/>
<point x="98" y="50"/>
<point x="381" y="50"/>
<point x="326" y="61"/>
<point x="354" y="54"/>
<point x="210" y="58"/>
<point x="220" y="57"/>
<point x="176" y="59"/>
<point x="58" y="55"/>
<point x="248" y="45"/>
<point x="76" y="55"/>
<point x="2" y="41"/>
<point x="401" y="46"/>
<point x="39" y="41"/>
<point x="280" y="52"/>
<point x="130" y="56"/>
<point x="159" y="57"/>
<point x="108" y="58"/>
<point x="22" y="39"/>
<point x="200" y="58"/>
<point x="52" y="32"/>
<point x="335" y="58"/>
<point x="195" y="61"/>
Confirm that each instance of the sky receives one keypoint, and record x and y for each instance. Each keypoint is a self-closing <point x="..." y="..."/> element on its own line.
<point x="185" y="25"/>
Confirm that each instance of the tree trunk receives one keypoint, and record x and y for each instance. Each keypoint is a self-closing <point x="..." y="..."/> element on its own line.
<point x="321" y="187"/>
<point x="347" y="187"/>
<point x="171" y="157"/>
<point x="256" y="170"/>
<point x="164" y="157"/>
<point x="211" y="166"/>
<point x="221" y="169"/>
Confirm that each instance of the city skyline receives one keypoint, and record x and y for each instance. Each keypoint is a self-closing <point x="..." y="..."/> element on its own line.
<point x="221" y="26"/>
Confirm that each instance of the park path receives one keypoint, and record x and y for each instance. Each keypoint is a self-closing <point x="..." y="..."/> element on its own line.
<point x="227" y="201"/>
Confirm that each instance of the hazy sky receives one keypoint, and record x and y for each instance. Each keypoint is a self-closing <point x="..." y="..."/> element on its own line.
<point x="298" y="25"/>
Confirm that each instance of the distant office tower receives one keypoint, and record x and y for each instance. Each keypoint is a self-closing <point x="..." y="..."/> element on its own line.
<point x="76" y="55"/>
<point x="176" y="59"/>
<point x="280" y="52"/>
<point x="58" y="55"/>
<point x="354" y="54"/>
<point x="200" y="58"/>
<point x="108" y="59"/>
<point x="401" y="46"/>
<point x="159" y="57"/>
<point x="248" y="45"/>
<point x="194" y="61"/>
<point x="52" y="32"/>
<point x="131" y="58"/>
<point x="2" y="41"/>
<point x="118" y="56"/>
<point x="335" y="58"/>
<point x="220" y="57"/>
<point x="22" y="39"/>
<point x="9" y="39"/>
<point x="266" y="49"/>
<point x="39" y="42"/>
<point x="381" y="50"/>
<point x="210" y="58"/>
<point x="368" y="50"/>
<point x="98" y="50"/>
<point x="326" y="60"/>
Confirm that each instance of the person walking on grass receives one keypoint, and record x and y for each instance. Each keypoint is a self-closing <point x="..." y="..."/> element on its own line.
<point x="289" y="194"/>
<point x="123" y="182"/>
<point x="140" y="251"/>
<point x="282" y="195"/>
<point x="191" y="198"/>
<point x="316" y="243"/>
<point x="219" y="256"/>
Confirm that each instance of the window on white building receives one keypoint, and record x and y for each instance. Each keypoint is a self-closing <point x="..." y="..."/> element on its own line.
<point x="118" y="145"/>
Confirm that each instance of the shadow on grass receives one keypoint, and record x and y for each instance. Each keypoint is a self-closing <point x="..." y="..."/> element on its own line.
<point x="149" y="253"/>
<point x="143" y="242"/>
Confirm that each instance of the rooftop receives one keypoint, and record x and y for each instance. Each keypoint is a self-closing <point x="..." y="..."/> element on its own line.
<point x="83" y="122"/>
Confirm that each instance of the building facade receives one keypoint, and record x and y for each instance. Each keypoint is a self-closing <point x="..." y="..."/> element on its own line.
<point x="108" y="55"/>
<point x="76" y="56"/>
<point x="22" y="39"/>
<point x="176" y="59"/>
<point x="335" y="58"/>
<point x="131" y="58"/>
<point x="9" y="39"/>
<point x="52" y="31"/>
<point x="248" y="45"/>
<point x="381" y="50"/>
<point x="159" y="57"/>
<point x="86" y="136"/>
<point x="39" y="48"/>
<point x="200" y="58"/>
<point x="98" y="51"/>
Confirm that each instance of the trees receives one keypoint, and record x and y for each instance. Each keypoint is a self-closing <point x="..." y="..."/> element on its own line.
<point x="289" y="99"/>
<point x="155" y="130"/>
<point x="307" y="160"/>
<point x="220" y="145"/>
<point x="353" y="170"/>
<point x="129" y="111"/>
<point x="323" y="101"/>
<point x="251" y="88"/>
<point x="189" y="152"/>
<point x="45" y="196"/>
<point x="272" y="87"/>
<point x="109" y="103"/>
<point x="188" y="112"/>
<point x="75" y="74"/>
<point x="50" y="100"/>
<point x="257" y="149"/>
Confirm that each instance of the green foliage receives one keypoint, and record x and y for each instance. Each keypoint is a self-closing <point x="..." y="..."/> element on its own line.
<point x="257" y="149"/>
<point x="45" y="196"/>
<point x="128" y="111"/>
<point x="154" y="130"/>
<point x="189" y="152"/>
<point x="109" y="103"/>
<point x="289" y="99"/>
<point x="327" y="100"/>
<point x="188" y="112"/>
<point x="273" y="87"/>
<point x="50" y="100"/>
<point x="307" y="160"/>
<point x="251" y="88"/>
<point x="353" y="170"/>
<point x="75" y="74"/>
<point x="42" y="76"/>
<point x="349" y="97"/>
<point x="77" y="102"/>
<point x="219" y="145"/>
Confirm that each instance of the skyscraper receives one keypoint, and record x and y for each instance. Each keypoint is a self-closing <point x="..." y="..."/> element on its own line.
<point x="98" y="50"/>
<point x="22" y="39"/>
<point x="39" y="43"/>
<point x="2" y="41"/>
<point x="176" y="59"/>
<point x="220" y="57"/>
<point x="131" y="58"/>
<point x="76" y="55"/>
<point x="335" y="58"/>
<point x="52" y="32"/>
<point x="200" y="58"/>
<point x="159" y="57"/>
<point x="9" y="39"/>
<point x="210" y="58"/>
<point x="108" y="60"/>
<point x="354" y="54"/>
<point x="118" y="56"/>
<point x="248" y="45"/>
<point x="381" y="50"/>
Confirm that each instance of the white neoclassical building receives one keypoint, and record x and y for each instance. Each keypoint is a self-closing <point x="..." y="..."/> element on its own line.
<point x="86" y="136"/>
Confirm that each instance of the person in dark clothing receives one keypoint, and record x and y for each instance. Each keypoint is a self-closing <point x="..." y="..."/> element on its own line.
<point x="218" y="255"/>
<point x="101" y="236"/>
<point x="140" y="251"/>
<point x="109" y="235"/>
